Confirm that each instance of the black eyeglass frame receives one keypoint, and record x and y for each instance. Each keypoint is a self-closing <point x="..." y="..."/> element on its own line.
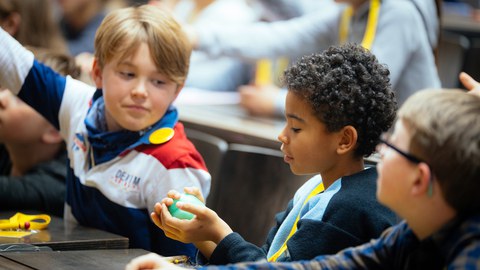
<point x="406" y="155"/>
<point x="413" y="159"/>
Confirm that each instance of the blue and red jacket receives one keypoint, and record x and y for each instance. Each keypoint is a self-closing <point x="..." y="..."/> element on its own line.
<point x="114" y="178"/>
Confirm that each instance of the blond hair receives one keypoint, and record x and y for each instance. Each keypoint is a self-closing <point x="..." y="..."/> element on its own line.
<point x="123" y="30"/>
<point x="445" y="130"/>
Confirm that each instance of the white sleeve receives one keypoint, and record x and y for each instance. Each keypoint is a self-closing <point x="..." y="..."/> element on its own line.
<point x="304" y="35"/>
<point x="15" y="62"/>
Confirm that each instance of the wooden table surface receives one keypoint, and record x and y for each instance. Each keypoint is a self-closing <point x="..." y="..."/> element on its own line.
<point x="73" y="259"/>
<point x="6" y="263"/>
<point x="61" y="235"/>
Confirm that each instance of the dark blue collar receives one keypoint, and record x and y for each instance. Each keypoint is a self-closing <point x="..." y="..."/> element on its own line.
<point x="106" y="145"/>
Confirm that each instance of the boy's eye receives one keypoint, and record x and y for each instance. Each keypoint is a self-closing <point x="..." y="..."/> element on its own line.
<point x="126" y="74"/>
<point x="295" y="130"/>
<point x="158" y="82"/>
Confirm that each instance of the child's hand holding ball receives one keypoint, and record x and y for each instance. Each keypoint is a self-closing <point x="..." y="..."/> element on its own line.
<point x="181" y="214"/>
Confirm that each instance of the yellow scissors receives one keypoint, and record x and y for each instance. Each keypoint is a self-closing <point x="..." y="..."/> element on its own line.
<point x="25" y="222"/>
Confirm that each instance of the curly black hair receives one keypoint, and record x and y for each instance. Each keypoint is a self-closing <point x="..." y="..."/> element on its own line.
<point x="346" y="85"/>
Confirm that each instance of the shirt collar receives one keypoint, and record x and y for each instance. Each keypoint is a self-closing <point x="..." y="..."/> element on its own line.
<point x="107" y="145"/>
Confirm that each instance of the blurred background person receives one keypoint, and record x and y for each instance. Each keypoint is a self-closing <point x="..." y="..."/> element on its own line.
<point x="32" y="23"/>
<point x="79" y="20"/>
<point x="34" y="165"/>
<point x="225" y="73"/>
<point x="278" y="10"/>
<point x="403" y="34"/>
<point x="215" y="74"/>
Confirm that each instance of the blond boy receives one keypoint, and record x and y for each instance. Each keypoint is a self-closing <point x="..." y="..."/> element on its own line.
<point x="125" y="145"/>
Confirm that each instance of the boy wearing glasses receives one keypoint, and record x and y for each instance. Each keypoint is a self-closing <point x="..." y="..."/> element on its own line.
<point x="429" y="175"/>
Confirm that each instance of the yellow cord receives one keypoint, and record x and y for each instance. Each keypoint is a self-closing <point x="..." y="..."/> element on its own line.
<point x="282" y="249"/>
<point x="371" y="26"/>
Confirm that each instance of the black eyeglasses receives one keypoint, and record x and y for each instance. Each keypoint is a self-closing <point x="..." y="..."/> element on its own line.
<point x="406" y="155"/>
<point x="411" y="158"/>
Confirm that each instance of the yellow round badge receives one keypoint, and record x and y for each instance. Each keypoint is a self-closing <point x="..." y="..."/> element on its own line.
<point x="162" y="135"/>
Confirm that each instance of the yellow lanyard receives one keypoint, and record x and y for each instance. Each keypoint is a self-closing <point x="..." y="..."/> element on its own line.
<point x="371" y="27"/>
<point x="282" y="249"/>
<point x="268" y="71"/>
<point x="263" y="72"/>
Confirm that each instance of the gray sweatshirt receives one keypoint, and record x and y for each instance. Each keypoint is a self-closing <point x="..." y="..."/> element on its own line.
<point x="401" y="41"/>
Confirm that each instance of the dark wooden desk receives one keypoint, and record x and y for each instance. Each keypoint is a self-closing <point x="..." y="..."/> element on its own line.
<point x="61" y="235"/>
<point x="9" y="264"/>
<point x="78" y="259"/>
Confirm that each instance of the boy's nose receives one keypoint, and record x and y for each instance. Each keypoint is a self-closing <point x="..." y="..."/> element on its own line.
<point x="282" y="138"/>
<point x="140" y="90"/>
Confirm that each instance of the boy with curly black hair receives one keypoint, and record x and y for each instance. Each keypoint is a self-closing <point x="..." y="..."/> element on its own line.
<point x="339" y="102"/>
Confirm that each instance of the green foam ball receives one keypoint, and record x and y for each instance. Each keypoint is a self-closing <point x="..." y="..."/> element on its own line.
<point x="180" y="214"/>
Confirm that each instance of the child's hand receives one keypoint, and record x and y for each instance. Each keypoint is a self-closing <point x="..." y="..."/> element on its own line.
<point x="171" y="195"/>
<point x="259" y="100"/>
<point x="195" y="192"/>
<point x="205" y="226"/>
<point x="468" y="82"/>
<point x="175" y="195"/>
<point x="150" y="261"/>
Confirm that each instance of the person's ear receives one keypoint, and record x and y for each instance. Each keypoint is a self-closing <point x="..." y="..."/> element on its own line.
<point x="421" y="184"/>
<point x="97" y="74"/>
<point x="51" y="136"/>
<point x="11" y="24"/>
<point x="348" y="139"/>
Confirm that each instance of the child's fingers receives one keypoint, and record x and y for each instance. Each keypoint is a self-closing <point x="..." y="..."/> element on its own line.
<point x="168" y="220"/>
<point x="192" y="190"/>
<point x="168" y="223"/>
<point x="157" y="208"/>
<point x="148" y="261"/>
<point x="165" y="214"/>
<point x="167" y="201"/>
<point x="468" y="82"/>
<point x="156" y="219"/>
<point x="173" y="194"/>
<point x="195" y="192"/>
<point x="198" y="210"/>
<point x="156" y="216"/>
